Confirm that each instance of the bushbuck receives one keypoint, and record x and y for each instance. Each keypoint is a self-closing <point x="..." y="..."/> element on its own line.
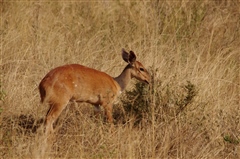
<point x="78" y="83"/>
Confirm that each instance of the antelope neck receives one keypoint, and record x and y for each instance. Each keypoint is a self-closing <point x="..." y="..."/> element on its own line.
<point x="124" y="78"/>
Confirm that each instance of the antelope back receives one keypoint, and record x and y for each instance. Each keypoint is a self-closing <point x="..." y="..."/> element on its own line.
<point x="77" y="82"/>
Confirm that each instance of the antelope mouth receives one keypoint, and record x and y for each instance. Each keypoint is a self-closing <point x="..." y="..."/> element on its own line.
<point x="147" y="82"/>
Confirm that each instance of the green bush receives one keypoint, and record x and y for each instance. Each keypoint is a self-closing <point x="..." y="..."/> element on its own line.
<point x="136" y="103"/>
<point x="145" y="103"/>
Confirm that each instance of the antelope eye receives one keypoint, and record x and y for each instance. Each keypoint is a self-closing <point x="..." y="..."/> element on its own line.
<point x="141" y="69"/>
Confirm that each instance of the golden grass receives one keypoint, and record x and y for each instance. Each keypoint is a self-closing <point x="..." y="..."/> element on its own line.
<point x="196" y="41"/>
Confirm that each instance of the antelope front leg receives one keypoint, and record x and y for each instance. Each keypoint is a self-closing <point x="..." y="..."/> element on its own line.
<point x="108" y="112"/>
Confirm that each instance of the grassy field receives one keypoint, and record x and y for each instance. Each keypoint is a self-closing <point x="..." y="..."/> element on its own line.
<point x="191" y="48"/>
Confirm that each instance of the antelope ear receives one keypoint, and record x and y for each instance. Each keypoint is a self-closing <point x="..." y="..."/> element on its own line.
<point x="125" y="56"/>
<point x="128" y="57"/>
<point x="132" y="57"/>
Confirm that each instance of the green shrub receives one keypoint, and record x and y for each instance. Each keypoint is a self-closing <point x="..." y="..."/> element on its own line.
<point x="231" y="139"/>
<point x="188" y="98"/>
<point x="136" y="103"/>
<point x="155" y="102"/>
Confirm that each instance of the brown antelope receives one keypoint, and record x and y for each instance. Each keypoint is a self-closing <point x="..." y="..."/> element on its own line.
<point x="78" y="83"/>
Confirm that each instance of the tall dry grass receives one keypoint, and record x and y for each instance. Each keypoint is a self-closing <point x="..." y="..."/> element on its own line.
<point x="180" y="41"/>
